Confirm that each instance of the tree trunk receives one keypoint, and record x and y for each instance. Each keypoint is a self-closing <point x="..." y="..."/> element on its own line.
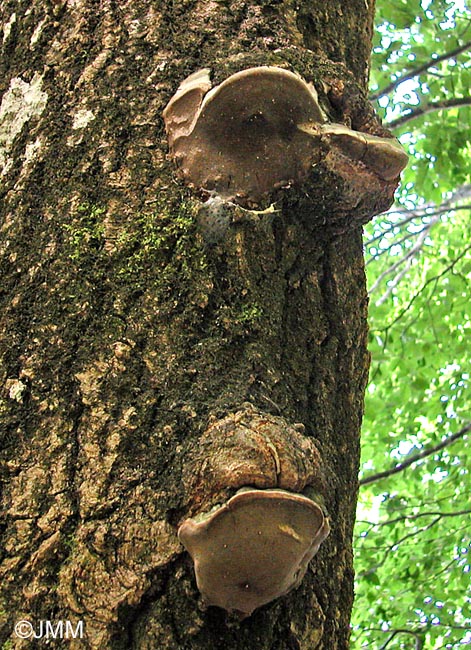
<point x="128" y="337"/>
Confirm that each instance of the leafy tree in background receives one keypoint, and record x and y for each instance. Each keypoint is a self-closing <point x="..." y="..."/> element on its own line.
<point x="413" y="541"/>
<point x="125" y="334"/>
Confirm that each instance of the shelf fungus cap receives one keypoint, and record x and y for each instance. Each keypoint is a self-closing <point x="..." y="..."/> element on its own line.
<point x="384" y="156"/>
<point x="182" y="109"/>
<point x="241" y="139"/>
<point x="254" y="548"/>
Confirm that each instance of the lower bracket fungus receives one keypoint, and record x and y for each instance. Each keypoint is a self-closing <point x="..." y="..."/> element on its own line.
<point x="268" y="476"/>
<point x="254" y="548"/>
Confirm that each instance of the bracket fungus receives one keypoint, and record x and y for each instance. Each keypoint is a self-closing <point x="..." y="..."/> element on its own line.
<point x="384" y="156"/>
<point x="254" y="548"/>
<point x="261" y="129"/>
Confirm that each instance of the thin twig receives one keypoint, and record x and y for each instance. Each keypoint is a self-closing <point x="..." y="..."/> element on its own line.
<point x="427" y="210"/>
<point x="396" y="242"/>
<point x="418" y="641"/>
<point x="430" y="513"/>
<point x="410" y="253"/>
<point x="434" y="279"/>
<point x="439" y="542"/>
<point x="443" y="104"/>
<point x="415" y="214"/>
<point x="413" y="459"/>
<point x="417" y="71"/>
<point x="407" y="259"/>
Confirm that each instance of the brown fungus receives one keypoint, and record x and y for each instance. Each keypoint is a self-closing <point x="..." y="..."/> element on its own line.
<point x="384" y="156"/>
<point x="242" y="140"/>
<point x="260" y="130"/>
<point x="182" y="110"/>
<point x="254" y="548"/>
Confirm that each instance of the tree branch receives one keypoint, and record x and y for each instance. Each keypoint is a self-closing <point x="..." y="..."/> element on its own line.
<point x="443" y="104"/>
<point x="430" y="513"/>
<point x="416" y="457"/>
<point x="461" y="193"/>
<point x="417" y="71"/>
<point x="404" y="259"/>
<point x="414" y="214"/>
<point x="418" y="641"/>
<point x="423" y="287"/>
<point x="386" y="251"/>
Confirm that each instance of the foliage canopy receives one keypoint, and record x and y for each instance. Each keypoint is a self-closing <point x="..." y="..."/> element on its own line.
<point x="412" y="536"/>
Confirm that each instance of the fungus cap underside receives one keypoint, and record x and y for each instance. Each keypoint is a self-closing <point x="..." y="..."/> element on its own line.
<point x="261" y="130"/>
<point x="254" y="548"/>
<point x="242" y="141"/>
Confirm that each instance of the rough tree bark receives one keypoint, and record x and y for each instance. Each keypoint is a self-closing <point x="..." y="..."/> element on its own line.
<point x="125" y="335"/>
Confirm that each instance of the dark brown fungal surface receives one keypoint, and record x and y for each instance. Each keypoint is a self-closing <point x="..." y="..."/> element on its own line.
<point x="260" y="130"/>
<point x="243" y="140"/>
<point x="254" y="548"/>
<point x="385" y="156"/>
